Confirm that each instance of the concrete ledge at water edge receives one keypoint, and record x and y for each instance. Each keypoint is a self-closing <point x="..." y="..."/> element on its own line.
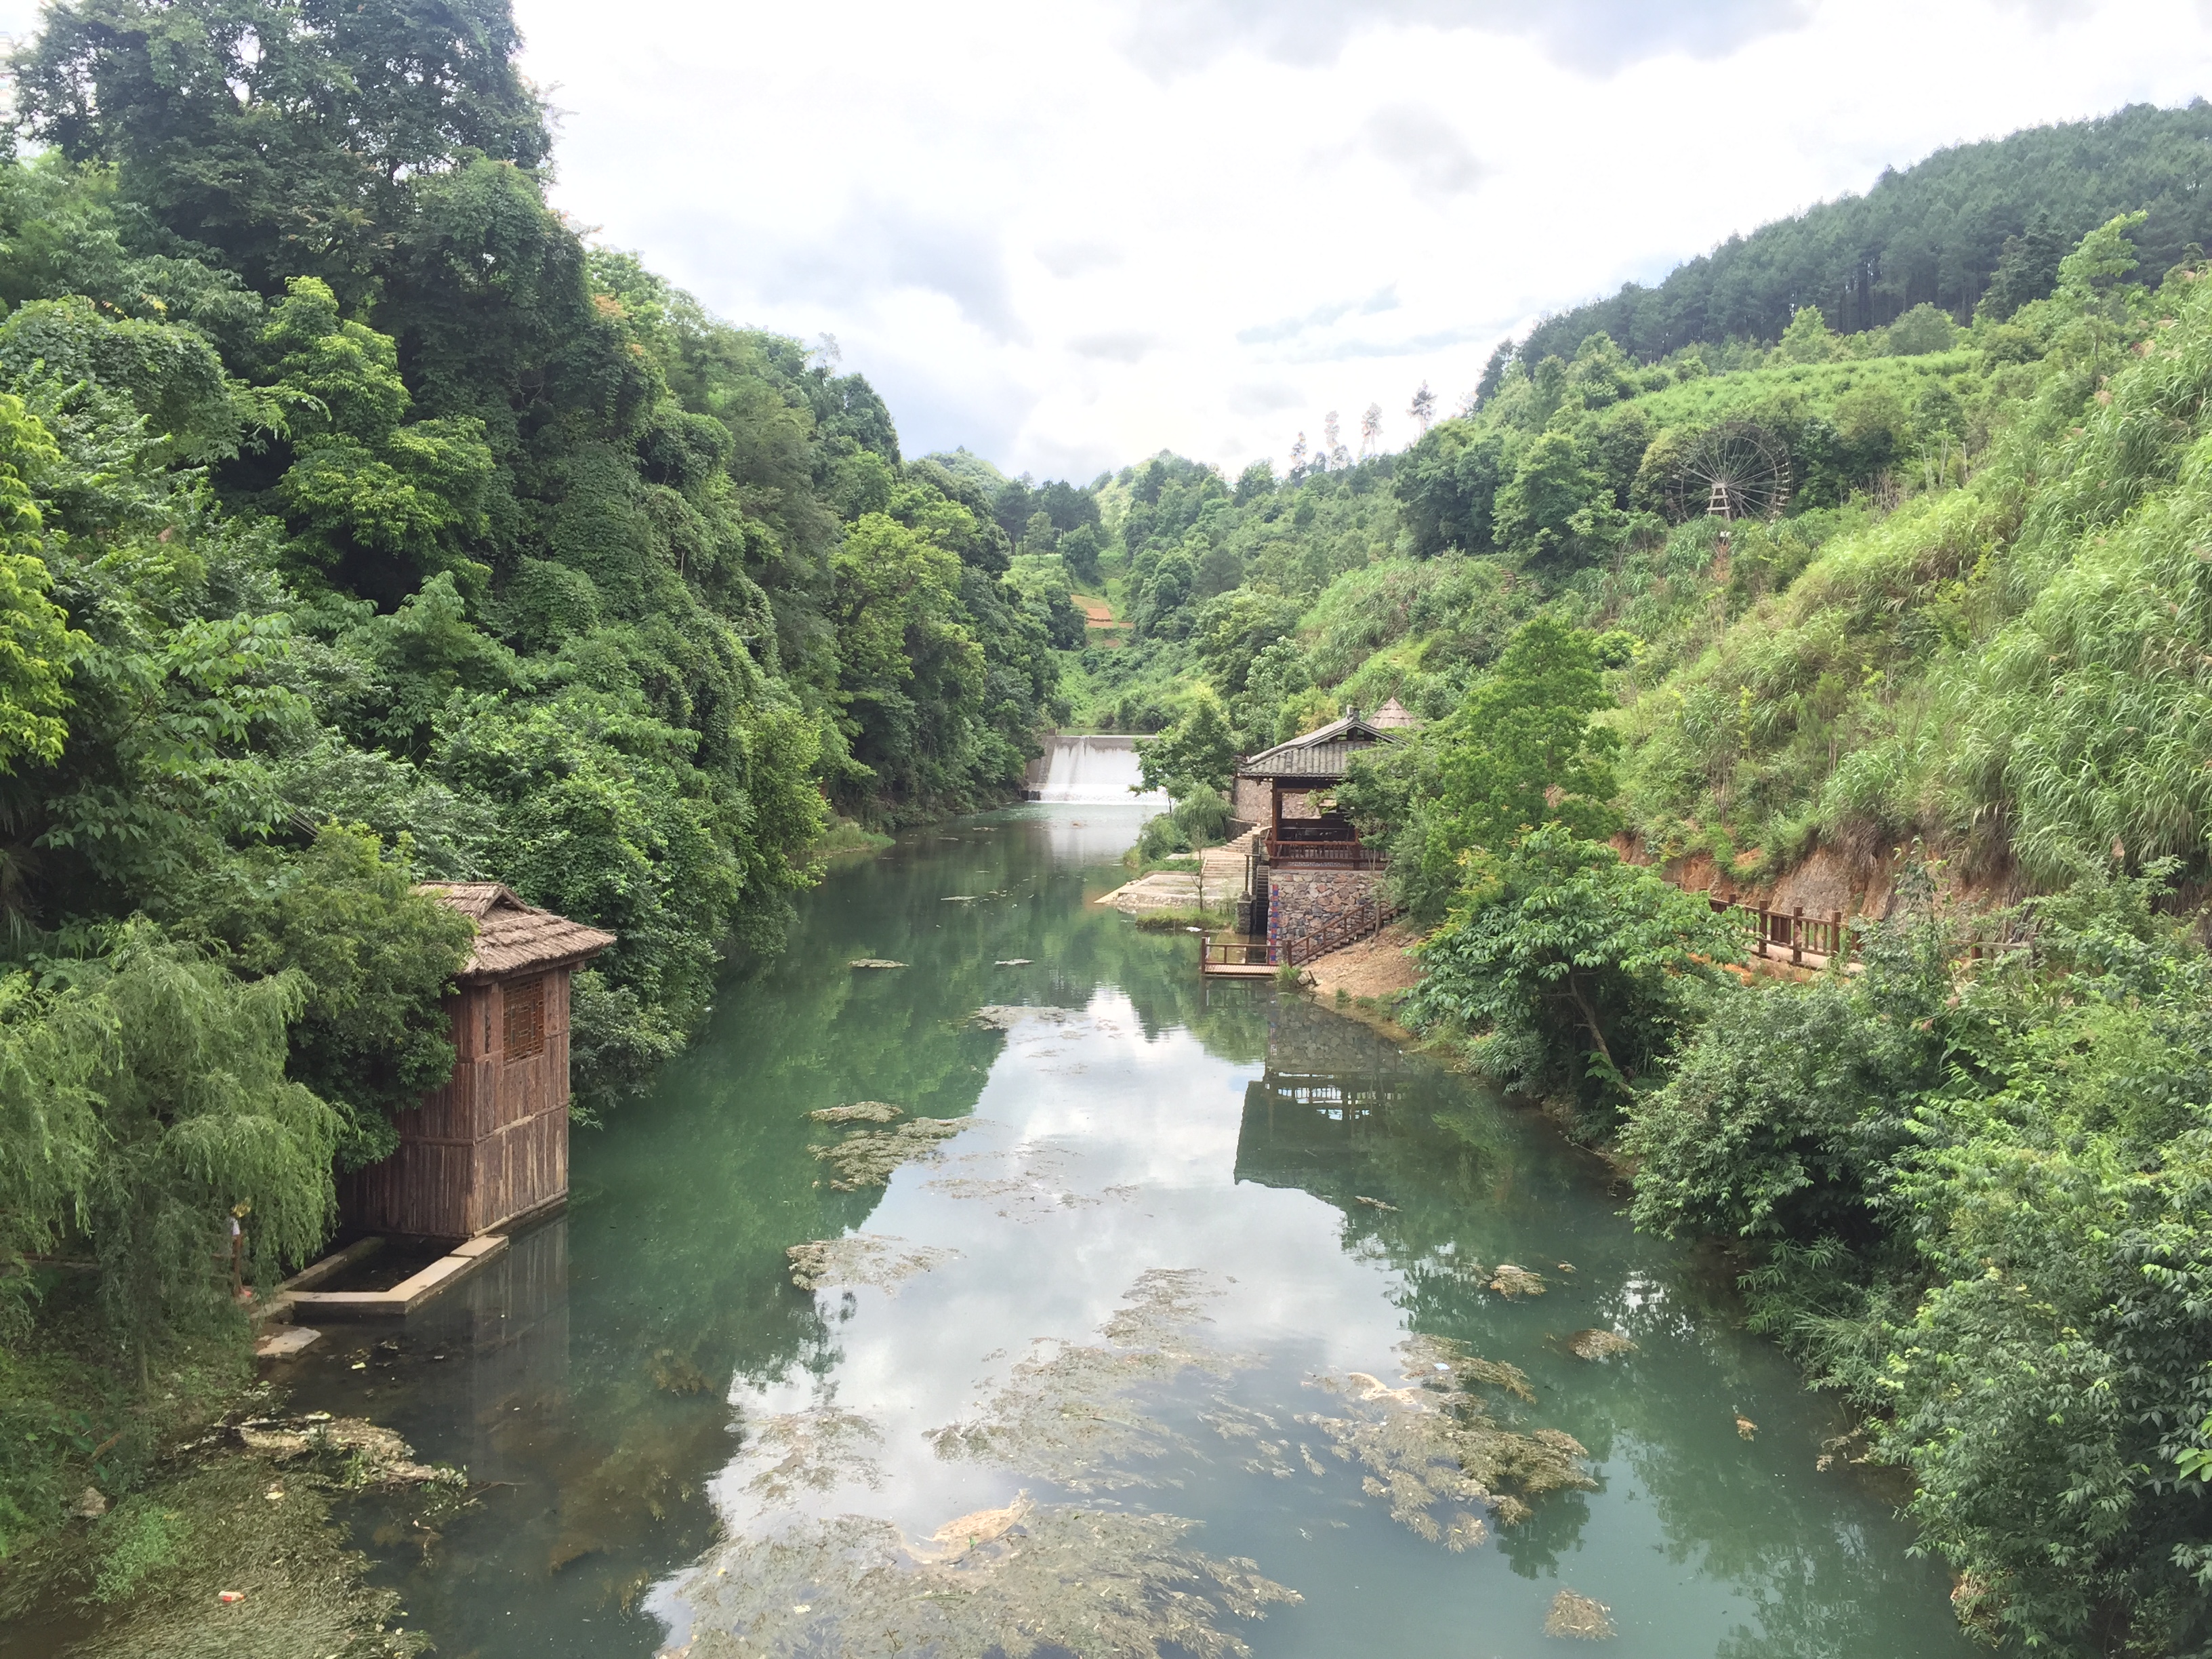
<point x="406" y="1296"/>
<point x="1222" y="873"/>
<point x="1162" y="889"/>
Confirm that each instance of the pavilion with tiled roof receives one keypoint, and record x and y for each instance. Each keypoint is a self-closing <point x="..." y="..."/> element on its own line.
<point x="1290" y="792"/>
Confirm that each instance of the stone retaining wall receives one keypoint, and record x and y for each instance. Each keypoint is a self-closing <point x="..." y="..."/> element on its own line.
<point x="1303" y="902"/>
<point x="1251" y="802"/>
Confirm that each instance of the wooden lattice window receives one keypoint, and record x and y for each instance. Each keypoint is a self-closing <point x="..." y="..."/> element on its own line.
<point x="525" y="1001"/>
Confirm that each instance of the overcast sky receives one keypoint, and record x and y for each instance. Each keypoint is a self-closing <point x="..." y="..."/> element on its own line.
<point x="1069" y="234"/>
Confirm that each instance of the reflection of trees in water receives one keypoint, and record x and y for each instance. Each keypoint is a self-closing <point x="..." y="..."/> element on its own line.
<point x="1340" y="1114"/>
<point x="688" y="1202"/>
<point x="1819" y="1580"/>
<point x="1552" y="1528"/>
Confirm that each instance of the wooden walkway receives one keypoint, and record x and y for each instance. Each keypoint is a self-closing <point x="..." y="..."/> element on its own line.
<point x="1235" y="956"/>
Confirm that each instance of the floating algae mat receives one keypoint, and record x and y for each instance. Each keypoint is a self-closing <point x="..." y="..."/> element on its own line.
<point x="1599" y="1344"/>
<point x="1074" y="1412"/>
<point x="1435" y="1444"/>
<point x="867" y="1158"/>
<point x="861" y="1111"/>
<point x="861" y="1259"/>
<point x="1091" y="1307"/>
<point x="1080" y="1581"/>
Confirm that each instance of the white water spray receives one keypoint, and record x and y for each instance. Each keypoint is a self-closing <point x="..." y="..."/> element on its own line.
<point x="1094" y="770"/>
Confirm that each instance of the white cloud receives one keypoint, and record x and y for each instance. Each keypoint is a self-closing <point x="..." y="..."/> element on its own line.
<point x="1126" y="346"/>
<point x="1427" y="149"/>
<point x="1069" y="236"/>
<point x="1078" y="259"/>
<point x="1172" y="36"/>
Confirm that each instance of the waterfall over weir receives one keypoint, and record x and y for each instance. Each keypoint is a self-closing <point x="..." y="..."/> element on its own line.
<point x="1094" y="770"/>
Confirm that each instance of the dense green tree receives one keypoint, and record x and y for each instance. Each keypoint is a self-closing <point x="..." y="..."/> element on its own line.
<point x="366" y="488"/>
<point x="1571" y="969"/>
<point x="1197" y="752"/>
<point x="1976" y="1192"/>
<point x="35" y="646"/>
<point x="1520" y="751"/>
<point x="1449" y="485"/>
<point x="2027" y="269"/>
<point x="282" y="137"/>
<point x="147" y="1098"/>
<point x="373" y="959"/>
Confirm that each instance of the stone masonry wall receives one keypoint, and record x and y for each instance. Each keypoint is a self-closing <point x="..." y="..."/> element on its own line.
<point x="1250" y="802"/>
<point x="1303" y="902"/>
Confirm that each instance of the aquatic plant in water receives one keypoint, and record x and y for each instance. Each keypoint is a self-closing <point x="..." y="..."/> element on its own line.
<point x="1434" y="1444"/>
<point x="1005" y="1016"/>
<point x="861" y="1111"/>
<point x="1598" y="1345"/>
<point x="1066" y="1414"/>
<point x="868" y="1159"/>
<point x="1578" y="1615"/>
<point x="1035" y="1186"/>
<point x="876" y="1258"/>
<point x="810" y="1451"/>
<point x="1071" y="1579"/>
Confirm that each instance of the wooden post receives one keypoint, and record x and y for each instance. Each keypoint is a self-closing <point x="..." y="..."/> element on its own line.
<point x="1836" y="934"/>
<point x="1797" y="937"/>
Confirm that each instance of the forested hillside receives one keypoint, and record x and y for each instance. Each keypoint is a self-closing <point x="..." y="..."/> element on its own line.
<point x="1924" y="601"/>
<point x="364" y="524"/>
<point x="1978" y="224"/>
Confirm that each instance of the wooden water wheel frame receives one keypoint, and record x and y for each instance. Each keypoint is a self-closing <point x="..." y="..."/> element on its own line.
<point x="1738" y="469"/>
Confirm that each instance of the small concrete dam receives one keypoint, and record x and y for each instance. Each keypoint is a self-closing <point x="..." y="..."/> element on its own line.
<point x="1095" y="768"/>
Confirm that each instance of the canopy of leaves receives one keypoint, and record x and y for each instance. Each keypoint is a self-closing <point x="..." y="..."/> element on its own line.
<point x="1571" y="969"/>
<point x="1521" y="750"/>
<point x="1981" y="1198"/>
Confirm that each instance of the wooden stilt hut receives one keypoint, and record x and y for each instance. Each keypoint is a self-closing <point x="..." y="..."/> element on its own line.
<point x="490" y="1148"/>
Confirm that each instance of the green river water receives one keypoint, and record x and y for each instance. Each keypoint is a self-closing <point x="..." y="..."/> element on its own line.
<point x="1192" y="1297"/>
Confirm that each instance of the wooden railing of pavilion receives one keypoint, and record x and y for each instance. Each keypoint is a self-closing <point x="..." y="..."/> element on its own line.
<point x="1288" y="855"/>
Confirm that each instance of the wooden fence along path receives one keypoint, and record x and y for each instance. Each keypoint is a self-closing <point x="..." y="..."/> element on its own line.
<point x="1790" y="933"/>
<point x="1236" y="956"/>
<point x="1372" y="917"/>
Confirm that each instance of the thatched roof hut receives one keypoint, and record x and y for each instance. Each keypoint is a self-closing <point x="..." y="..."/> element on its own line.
<point x="490" y="1148"/>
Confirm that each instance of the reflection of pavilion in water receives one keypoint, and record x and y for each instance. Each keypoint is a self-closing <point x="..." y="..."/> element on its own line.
<point x="507" y="1334"/>
<point x="589" y="1465"/>
<point x="1331" y="1089"/>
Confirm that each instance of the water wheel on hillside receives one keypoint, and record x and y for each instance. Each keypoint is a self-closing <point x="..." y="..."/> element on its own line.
<point x="1738" y="469"/>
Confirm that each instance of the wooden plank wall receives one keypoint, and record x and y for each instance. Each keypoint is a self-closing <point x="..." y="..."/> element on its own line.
<point x="490" y="1143"/>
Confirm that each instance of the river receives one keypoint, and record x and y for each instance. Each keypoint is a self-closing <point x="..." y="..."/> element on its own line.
<point x="1187" y="1325"/>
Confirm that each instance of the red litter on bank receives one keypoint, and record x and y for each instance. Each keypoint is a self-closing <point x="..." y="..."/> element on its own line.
<point x="227" y="1596"/>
